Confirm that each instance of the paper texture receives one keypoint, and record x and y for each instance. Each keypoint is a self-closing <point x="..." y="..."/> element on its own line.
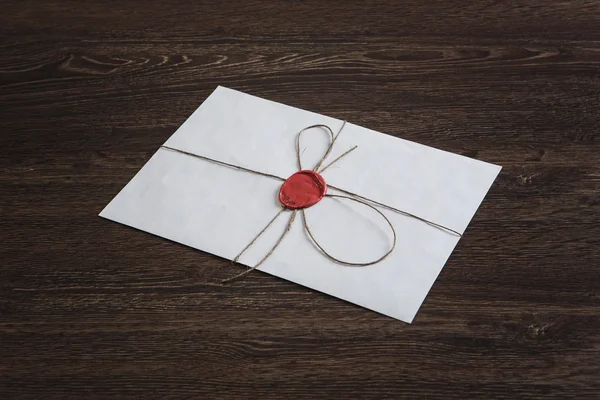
<point x="219" y="210"/>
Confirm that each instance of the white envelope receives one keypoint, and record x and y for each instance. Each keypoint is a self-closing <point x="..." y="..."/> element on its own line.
<point x="218" y="209"/>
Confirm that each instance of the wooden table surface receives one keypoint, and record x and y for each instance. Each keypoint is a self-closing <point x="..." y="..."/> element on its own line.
<point x="91" y="309"/>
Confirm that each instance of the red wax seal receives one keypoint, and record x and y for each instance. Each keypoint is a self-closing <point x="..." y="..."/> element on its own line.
<point x="303" y="189"/>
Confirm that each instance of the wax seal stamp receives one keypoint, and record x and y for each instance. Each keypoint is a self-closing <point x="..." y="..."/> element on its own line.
<point x="303" y="189"/>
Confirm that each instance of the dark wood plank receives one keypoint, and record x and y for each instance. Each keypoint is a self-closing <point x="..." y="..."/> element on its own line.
<point x="92" y="309"/>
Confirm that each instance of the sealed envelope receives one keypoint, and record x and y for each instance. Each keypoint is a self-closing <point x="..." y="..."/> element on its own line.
<point x="228" y="178"/>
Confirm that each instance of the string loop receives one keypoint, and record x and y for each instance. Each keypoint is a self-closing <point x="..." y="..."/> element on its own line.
<point x="348" y="263"/>
<point x="333" y="138"/>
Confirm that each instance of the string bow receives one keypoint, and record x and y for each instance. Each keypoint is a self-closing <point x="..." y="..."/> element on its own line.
<point x="304" y="189"/>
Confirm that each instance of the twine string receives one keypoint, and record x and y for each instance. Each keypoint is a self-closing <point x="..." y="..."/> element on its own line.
<point x="235" y="260"/>
<point x="337" y="159"/>
<point x="285" y="232"/>
<point x="299" y="153"/>
<point x="319" y="169"/>
<point x="333" y="138"/>
<point x="238" y="167"/>
<point x="405" y="213"/>
<point x="348" y="263"/>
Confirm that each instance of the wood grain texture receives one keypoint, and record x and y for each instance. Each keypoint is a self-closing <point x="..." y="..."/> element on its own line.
<point x="92" y="309"/>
